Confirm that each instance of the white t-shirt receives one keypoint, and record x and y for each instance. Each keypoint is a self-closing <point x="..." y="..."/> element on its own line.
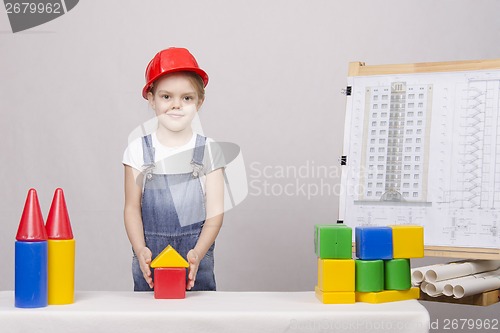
<point x="174" y="160"/>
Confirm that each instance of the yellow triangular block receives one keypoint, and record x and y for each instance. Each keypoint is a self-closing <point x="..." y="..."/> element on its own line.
<point x="169" y="257"/>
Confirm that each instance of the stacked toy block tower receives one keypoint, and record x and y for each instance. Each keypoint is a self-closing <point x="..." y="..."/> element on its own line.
<point x="383" y="264"/>
<point x="44" y="255"/>
<point x="333" y="247"/>
<point x="169" y="274"/>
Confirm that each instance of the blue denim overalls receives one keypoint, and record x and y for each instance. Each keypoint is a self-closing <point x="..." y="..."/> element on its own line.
<point x="173" y="212"/>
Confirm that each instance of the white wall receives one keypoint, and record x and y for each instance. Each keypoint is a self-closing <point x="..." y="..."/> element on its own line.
<point x="70" y="95"/>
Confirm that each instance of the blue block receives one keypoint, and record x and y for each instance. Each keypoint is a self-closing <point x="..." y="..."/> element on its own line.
<point x="31" y="274"/>
<point x="373" y="242"/>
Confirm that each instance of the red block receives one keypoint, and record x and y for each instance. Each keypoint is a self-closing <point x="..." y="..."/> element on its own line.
<point x="170" y="283"/>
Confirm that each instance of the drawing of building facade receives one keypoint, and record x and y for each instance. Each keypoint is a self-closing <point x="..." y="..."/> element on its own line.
<point x="395" y="145"/>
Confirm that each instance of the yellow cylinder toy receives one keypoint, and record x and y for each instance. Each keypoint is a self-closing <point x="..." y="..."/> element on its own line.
<point x="61" y="253"/>
<point x="61" y="272"/>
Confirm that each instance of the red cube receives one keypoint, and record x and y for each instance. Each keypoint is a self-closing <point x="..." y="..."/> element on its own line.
<point x="170" y="283"/>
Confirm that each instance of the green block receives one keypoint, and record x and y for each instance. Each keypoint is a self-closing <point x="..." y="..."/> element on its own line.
<point x="397" y="274"/>
<point x="369" y="275"/>
<point x="333" y="241"/>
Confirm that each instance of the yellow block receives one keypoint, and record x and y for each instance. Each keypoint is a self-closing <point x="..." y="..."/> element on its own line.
<point x="338" y="297"/>
<point x="407" y="241"/>
<point x="388" y="296"/>
<point x="336" y="274"/>
<point x="169" y="257"/>
<point x="61" y="272"/>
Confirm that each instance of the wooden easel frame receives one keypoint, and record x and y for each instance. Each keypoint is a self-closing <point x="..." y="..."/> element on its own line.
<point x="361" y="69"/>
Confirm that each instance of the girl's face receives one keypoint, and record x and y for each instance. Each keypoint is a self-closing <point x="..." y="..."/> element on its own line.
<point x="175" y="102"/>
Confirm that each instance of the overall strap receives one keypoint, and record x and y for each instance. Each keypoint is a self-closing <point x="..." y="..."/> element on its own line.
<point x="148" y="152"/>
<point x="198" y="154"/>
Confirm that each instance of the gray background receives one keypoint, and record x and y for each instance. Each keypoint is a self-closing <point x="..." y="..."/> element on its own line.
<point x="70" y="95"/>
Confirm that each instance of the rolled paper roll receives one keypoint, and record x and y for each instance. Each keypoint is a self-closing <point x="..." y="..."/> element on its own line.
<point x="435" y="289"/>
<point x="418" y="274"/>
<point x="423" y="285"/>
<point x="436" y="295"/>
<point x="448" y="288"/>
<point x="454" y="270"/>
<point x="476" y="286"/>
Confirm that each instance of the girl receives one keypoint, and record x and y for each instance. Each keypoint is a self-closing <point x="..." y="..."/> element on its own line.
<point x="174" y="188"/>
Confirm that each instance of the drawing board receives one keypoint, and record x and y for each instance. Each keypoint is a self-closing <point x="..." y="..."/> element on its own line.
<point x="422" y="146"/>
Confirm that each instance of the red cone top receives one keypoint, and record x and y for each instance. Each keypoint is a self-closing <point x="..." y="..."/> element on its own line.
<point x="58" y="225"/>
<point x="31" y="228"/>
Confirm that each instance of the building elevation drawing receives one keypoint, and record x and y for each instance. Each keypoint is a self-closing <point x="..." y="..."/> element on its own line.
<point x="425" y="149"/>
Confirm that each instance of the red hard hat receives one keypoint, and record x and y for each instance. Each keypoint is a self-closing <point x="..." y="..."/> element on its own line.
<point x="171" y="60"/>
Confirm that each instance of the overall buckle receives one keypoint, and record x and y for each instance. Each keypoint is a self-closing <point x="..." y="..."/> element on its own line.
<point x="197" y="169"/>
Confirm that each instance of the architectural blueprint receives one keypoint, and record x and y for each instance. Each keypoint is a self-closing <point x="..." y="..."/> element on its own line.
<point x="425" y="149"/>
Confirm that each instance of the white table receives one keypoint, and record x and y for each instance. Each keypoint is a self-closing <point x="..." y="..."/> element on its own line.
<point x="125" y="312"/>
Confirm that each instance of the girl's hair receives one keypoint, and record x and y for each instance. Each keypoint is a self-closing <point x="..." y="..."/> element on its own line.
<point x="196" y="82"/>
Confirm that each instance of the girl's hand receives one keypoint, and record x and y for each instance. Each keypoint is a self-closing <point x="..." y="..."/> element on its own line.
<point x="194" y="262"/>
<point x="144" y="257"/>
